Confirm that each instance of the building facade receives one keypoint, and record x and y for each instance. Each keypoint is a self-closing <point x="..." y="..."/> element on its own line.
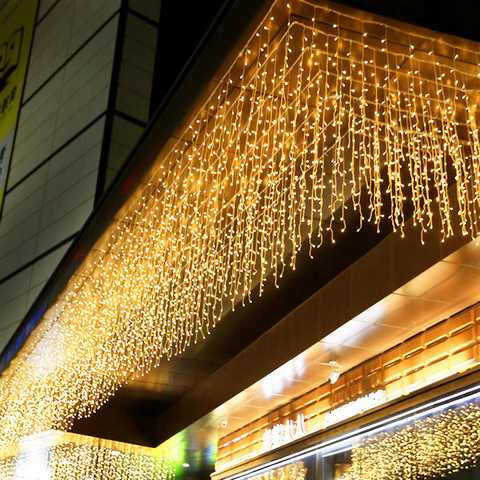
<point x="85" y="103"/>
<point x="281" y="279"/>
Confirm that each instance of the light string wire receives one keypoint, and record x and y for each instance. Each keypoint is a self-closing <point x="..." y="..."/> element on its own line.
<point x="310" y="120"/>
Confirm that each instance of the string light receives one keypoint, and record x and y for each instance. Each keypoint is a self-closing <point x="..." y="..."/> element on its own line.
<point x="428" y="448"/>
<point x="74" y="460"/>
<point x="294" y="471"/>
<point x="312" y="118"/>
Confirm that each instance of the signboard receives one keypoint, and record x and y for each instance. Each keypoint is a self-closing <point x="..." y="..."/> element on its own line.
<point x="360" y="405"/>
<point x="282" y="434"/>
<point x="17" y="20"/>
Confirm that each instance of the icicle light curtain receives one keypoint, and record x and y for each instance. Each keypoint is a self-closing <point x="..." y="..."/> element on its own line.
<point x="320" y="112"/>
<point x="430" y="447"/>
<point x="295" y="471"/>
<point x="81" y="461"/>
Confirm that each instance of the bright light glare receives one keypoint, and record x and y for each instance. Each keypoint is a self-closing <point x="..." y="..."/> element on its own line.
<point x="275" y="382"/>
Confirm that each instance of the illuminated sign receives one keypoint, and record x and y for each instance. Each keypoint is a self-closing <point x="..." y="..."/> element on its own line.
<point x="354" y="408"/>
<point x="17" y="20"/>
<point x="281" y="434"/>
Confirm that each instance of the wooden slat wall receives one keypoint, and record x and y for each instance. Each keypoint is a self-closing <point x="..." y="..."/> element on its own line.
<point x="448" y="348"/>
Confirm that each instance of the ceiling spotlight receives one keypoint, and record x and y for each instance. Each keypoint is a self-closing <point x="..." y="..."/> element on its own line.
<point x="224" y="422"/>
<point x="335" y="372"/>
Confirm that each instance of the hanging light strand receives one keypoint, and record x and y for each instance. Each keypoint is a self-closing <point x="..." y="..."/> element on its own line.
<point x="427" y="448"/>
<point x="313" y="118"/>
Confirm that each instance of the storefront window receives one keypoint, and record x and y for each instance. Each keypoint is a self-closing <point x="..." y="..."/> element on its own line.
<point x="435" y="440"/>
<point x="434" y="444"/>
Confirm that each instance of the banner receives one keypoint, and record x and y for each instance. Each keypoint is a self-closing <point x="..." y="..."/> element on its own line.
<point x="17" y="20"/>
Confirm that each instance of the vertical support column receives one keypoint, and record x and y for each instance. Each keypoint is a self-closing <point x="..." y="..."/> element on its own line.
<point x="131" y="86"/>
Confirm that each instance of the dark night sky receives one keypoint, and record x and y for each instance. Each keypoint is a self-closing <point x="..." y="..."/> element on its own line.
<point x="183" y="25"/>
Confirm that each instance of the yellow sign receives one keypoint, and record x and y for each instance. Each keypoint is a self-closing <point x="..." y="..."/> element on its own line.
<point x="17" y="20"/>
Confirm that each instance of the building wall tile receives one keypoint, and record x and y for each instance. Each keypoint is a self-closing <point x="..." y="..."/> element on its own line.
<point x="64" y="227"/>
<point x="74" y="162"/>
<point x="61" y="33"/>
<point x="43" y="268"/>
<point x="19" y="234"/>
<point x="19" y="199"/>
<point x="136" y="53"/>
<point x="43" y="8"/>
<point x="6" y="333"/>
<point x="125" y="133"/>
<point x="64" y="107"/>
<point x="141" y="31"/>
<point x="68" y="201"/>
<point x="135" y="79"/>
<point x="14" y="287"/>
<point x="13" y="311"/>
<point x="132" y="104"/>
<point x="148" y="8"/>
<point x="17" y="257"/>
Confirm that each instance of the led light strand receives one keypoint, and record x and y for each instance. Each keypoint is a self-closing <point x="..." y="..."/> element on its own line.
<point x="310" y="120"/>
<point x="428" y="448"/>
<point x="295" y="471"/>
<point x="77" y="461"/>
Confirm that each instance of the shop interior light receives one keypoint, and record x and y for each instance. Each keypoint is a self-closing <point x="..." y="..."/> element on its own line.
<point x="456" y="406"/>
<point x="334" y="373"/>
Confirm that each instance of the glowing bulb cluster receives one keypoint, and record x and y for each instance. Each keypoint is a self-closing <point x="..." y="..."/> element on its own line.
<point x="294" y="471"/>
<point x="430" y="447"/>
<point x="77" y="461"/>
<point x="322" y="114"/>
